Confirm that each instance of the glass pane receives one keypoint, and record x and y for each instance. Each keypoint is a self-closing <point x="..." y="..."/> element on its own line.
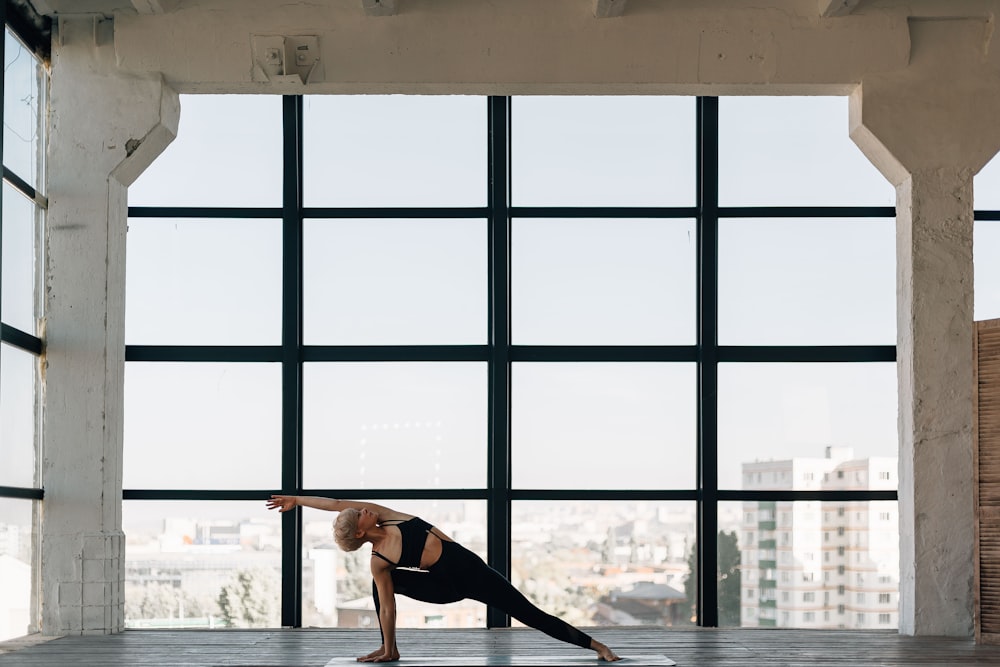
<point x="603" y="425"/>
<point x="794" y="151"/>
<point x="986" y="187"/>
<point x="18" y="380"/>
<point x="603" y="151"/>
<point x="811" y="564"/>
<point x="394" y="425"/>
<point x="20" y="253"/>
<point x="202" y="426"/>
<point x="606" y="563"/>
<point x="386" y="282"/>
<point x="23" y="102"/>
<point x="808" y="426"/>
<point x="603" y="282"/>
<point x="807" y="282"/>
<point x="337" y="585"/>
<point x="986" y="260"/>
<point x="227" y="153"/>
<point x="198" y="564"/>
<point x="203" y="282"/>
<point x="394" y="150"/>
<point x="17" y="545"/>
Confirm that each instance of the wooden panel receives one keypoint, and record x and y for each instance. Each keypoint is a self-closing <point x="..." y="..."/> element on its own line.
<point x="989" y="571"/>
<point x="986" y="462"/>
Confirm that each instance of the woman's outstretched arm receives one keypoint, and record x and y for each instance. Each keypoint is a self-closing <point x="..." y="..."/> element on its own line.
<point x="286" y="503"/>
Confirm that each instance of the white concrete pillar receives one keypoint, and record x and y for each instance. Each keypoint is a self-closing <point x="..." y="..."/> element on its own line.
<point x="105" y="128"/>
<point x="934" y="321"/>
<point x="929" y="129"/>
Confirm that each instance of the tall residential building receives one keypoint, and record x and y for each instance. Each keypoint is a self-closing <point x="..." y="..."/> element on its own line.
<point x="813" y="564"/>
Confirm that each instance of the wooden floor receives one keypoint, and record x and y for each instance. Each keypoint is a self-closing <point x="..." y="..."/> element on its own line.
<point x="315" y="647"/>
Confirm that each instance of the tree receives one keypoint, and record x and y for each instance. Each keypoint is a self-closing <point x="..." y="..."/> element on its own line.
<point x="728" y="580"/>
<point x="158" y="600"/>
<point x="691" y="586"/>
<point x="357" y="580"/>
<point x="251" y="600"/>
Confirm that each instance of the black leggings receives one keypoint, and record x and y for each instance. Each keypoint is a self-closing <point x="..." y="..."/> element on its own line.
<point x="461" y="574"/>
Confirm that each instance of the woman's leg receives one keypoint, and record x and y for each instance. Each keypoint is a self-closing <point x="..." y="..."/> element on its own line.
<point x="476" y="580"/>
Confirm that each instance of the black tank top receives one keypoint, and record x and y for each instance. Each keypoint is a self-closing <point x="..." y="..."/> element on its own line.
<point x="414" y="532"/>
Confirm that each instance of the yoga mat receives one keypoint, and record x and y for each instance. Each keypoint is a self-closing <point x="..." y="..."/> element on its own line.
<point x="514" y="661"/>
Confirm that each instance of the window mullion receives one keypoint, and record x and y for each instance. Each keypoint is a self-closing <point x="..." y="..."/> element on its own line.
<point x="708" y="365"/>
<point x="291" y="364"/>
<point x="498" y="495"/>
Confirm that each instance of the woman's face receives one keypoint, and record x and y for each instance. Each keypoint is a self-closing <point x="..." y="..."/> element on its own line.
<point x="366" y="520"/>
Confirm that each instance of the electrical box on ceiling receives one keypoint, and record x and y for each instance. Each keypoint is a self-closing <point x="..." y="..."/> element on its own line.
<point x="286" y="59"/>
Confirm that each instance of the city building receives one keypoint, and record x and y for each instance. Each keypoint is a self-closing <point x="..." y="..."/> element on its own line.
<point x="411" y="613"/>
<point x="645" y="603"/>
<point x="820" y="564"/>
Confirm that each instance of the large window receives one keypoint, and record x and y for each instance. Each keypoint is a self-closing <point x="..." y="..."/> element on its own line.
<point x="638" y="352"/>
<point x="23" y="207"/>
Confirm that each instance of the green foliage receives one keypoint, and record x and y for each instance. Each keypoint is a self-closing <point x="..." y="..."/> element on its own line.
<point x="160" y="600"/>
<point x="357" y="580"/>
<point x="691" y="586"/>
<point x="728" y="579"/>
<point x="252" y="599"/>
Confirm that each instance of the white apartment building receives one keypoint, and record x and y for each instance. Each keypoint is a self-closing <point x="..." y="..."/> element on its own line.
<point x="813" y="564"/>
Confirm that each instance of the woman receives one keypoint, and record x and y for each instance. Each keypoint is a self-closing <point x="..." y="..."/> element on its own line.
<point x="439" y="570"/>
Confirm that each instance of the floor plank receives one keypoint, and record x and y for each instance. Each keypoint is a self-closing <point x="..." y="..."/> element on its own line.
<point x="317" y="647"/>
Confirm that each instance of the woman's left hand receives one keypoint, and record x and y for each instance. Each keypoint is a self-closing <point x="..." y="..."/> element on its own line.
<point x="282" y="503"/>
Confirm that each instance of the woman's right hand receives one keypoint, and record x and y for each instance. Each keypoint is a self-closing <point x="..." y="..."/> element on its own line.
<point x="282" y="503"/>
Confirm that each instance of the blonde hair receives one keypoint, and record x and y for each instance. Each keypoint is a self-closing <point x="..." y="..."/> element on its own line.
<point x="344" y="529"/>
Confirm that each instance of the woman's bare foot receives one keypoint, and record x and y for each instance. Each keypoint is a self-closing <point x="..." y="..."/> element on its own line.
<point x="366" y="658"/>
<point x="379" y="655"/>
<point x="603" y="652"/>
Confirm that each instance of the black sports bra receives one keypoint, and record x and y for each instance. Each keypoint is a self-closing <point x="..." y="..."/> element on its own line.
<point x="414" y="531"/>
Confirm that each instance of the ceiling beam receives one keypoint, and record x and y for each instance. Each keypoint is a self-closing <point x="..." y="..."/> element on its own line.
<point x="379" y="7"/>
<point x="830" y="8"/>
<point x="606" y="9"/>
